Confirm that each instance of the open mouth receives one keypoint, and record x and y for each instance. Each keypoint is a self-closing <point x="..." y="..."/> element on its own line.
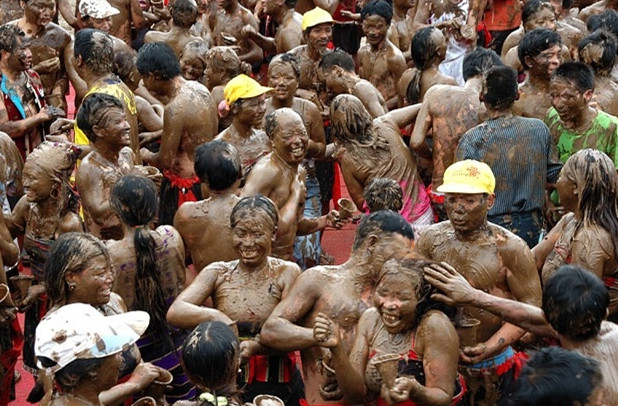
<point x="391" y="320"/>
<point x="298" y="152"/>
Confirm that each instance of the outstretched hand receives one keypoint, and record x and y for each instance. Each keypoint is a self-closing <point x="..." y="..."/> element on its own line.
<point x="326" y="332"/>
<point x="401" y="391"/>
<point x="454" y="288"/>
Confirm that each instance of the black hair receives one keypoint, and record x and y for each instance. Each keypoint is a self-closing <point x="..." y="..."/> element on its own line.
<point x="500" y="88"/>
<point x="71" y="253"/>
<point x="134" y="200"/>
<point x="124" y="61"/>
<point x="358" y="123"/>
<point x="607" y="20"/>
<point x="554" y="376"/>
<point x="385" y="221"/>
<point x="531" y="7"/>
<point x="423" y="48"/>
<point x="253" y="204"/>
<point x="338" y="57"/>
<point x="96" y="49"/>
<point x="8" y="37"/>
<point x="479" y="61"/>
<point x="180" y="10"/>
<point x="575" y="302"/>
<point x="535" y="42"/>
<point x="92" y="110"/>
<point x="217" y="164"/>
<point x="383" y="194"/>
<point x="290" y="3"/>
<point x="413" y="269"/>
<point x="576" y="72"/>
<point x="210" y="356"/>
<point x="287" y="59"/>
<point x="604" y="64"/>
<point x="567" y="4"/>
<point x="74" y="373"/>
<point x="158" y="58"/>
<point x="381" y="8"/>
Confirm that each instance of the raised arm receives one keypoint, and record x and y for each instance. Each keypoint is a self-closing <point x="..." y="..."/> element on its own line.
<point x="404" y="116"/>
<point x="188" y="310"/>
<point x="423" y="122"/>
<point x="280" y="330"/>
<point x="456" y="291"/>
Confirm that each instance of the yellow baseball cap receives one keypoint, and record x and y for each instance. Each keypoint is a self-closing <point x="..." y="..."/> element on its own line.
<point x="243" y="87"/>
<point x="316" y="16"/>
<point x="469" y="177"/>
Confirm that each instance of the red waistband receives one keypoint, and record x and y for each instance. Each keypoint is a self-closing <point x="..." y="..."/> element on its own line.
<point x="270" y="368"/>
<point x="179" y="182"/>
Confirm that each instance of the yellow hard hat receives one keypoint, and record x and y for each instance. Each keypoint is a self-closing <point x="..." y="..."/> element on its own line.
<point x="243" y="87"/>
<point x="316" y="16"/>
<point x="469" y="177"/>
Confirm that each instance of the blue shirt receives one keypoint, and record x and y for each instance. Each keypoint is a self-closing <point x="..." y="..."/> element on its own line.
<point x="522" y="157"/>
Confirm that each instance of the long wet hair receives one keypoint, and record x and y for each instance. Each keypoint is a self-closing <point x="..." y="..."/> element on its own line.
<point x="412" y="269"/>
<point x="134" y="200"/>
<point x="71" y="253"/>
<point x="210" y="356"/>
<point x="358" y="123"/>
<point x="594" y="173"/>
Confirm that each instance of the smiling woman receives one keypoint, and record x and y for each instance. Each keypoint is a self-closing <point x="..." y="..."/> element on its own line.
<point x="245" y="292"/>
<point x="404" y="335"/>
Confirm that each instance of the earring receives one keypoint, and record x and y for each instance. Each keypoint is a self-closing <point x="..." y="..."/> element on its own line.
<point x="55" y="196"/>
<point x="71" y="287"/>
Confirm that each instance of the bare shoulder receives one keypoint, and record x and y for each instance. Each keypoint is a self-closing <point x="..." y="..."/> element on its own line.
<point x="70" y="222"/>
<point x="168" y="231"/>
<point x="282" y="267"/>
<point x="508" y="242"/>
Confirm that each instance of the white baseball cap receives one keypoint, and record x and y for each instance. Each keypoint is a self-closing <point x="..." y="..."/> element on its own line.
<point x="97" y="9"/>
<point x="79" y="331"/>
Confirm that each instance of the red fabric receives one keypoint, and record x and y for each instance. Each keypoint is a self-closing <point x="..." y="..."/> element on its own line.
<point x="336" y="186"/>
<point x="481" y="29"/>
<point x="435" y="198"/>
<point x="184" y="185"/>
<point x="8" y="359"/>
<point x="303" y="402"/>
<point x="259" y="368"/>
<point x="516" y="362"/>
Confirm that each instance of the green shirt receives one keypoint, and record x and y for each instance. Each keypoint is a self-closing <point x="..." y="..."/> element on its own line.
<point x="602" y="135"/>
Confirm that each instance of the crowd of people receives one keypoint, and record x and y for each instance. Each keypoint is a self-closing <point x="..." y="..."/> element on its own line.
<point x="168" y="168"/>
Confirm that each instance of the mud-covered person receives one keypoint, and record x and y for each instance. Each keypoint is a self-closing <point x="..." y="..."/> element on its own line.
<point x="245" y="101"/>
<point x="379" y="61"/>
<point x="317" y="25"/>
<point x="337" y="73"/>
<point x="93" y="57"/>
<point x="130" y="16"/>
<point x="229" y="20"/>
<point x="283" y="77"/>
<point x="520" y="153"/>
<point x="184" y="15"/>
<point x="184" y="100"/>
<point x="204" y="225"/>
<point x="342" y="293"/>
<point x="289" y="30"/>
<point x="245" y="292"/>
<point x="48" y="43"/>
<point x="373" y="148"/>
<point x="279" y="177"/>
<point x="574" y="309"/>
<point x="598" y="50"/>
<point x="540" y="54"/>
<point x="102" y="119"/>
<point x="447" y="112"/>
<point x="573" y="123"/>
<point x="494" y="260"/>
<point x="428" y="50"/>
<point x="23" y="111"/>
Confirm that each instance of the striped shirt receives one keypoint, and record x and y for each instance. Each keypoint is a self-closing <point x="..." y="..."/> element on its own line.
<point x="522" y="157"/>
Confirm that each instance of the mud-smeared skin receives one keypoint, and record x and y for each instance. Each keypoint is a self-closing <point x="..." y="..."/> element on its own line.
<point x="229" y="20"/>
<point x="447" y="113"/>
<point x="382" y="64"/>
<point x="205" y="229"/>
<point x="277" y="174"/>
<point x="182" y="132"/>
<point x="130" y="15"/>
<point x="95" y="178"/>
<point x="342" y="293"/>
<point x="47" y="41"/>
<point x="251" y="143"/>
<point x="491" y="259"/>
<point x="10" y="10"/>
